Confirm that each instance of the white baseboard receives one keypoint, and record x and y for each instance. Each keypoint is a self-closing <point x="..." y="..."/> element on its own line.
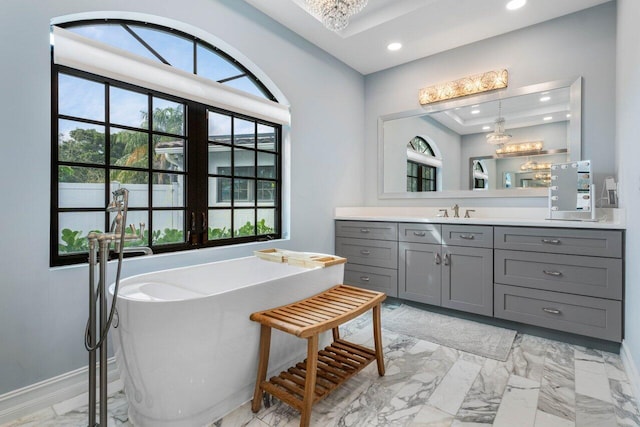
<point x="631" y="369"/>
<point x="36" y="397"/>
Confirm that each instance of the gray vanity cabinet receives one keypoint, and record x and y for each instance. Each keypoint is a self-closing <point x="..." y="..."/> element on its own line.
<point x="420" y="262"/>
<point x="371" y="249"/>
<point x="565" y="279"/>
<point x="420" y="272"/>
<point x="467" y="268"/>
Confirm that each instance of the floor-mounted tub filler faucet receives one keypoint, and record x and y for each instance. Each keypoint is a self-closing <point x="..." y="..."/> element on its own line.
<point x="456" y="210"/>
<point x="94" y="339"/>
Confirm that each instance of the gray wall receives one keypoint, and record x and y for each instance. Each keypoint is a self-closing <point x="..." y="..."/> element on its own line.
<point x="43" y="310"/>
<point x="628" y="129"/>
<point x="581" y="44"/>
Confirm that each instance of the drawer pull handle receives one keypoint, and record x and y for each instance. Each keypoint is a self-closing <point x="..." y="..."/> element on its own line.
<point x="552" y="273"/>
<point x="364" y="230"/>
<point x="551" y="241"/>
<point x="419" y="233"/>
<point x="365" y="252"/>
<point x="467" y="236"/>
<point x="364" y="279"/>
<point x="551" y="310"/>
<point x="436" y="258"/>
<point x="447" y="259"/>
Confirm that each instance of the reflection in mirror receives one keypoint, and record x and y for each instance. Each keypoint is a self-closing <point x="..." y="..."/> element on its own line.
<point x="447" y="147"/>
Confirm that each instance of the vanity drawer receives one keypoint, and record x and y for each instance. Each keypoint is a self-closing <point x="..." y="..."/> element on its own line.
<point x="590" y="276"/>
<point x="594" y="317"/>
<point x="373" y="278"/>
<point x="420" y="233"/>
<point x="367" y="230"/>
<point x="606" y="243"/>
<point x="377" y="253"/>
<point x="467" y="235"/>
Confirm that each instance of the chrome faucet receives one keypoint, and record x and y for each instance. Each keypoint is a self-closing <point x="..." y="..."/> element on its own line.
<point x="456" y="209"/>
<point x="466" y="214"/>
<point x="446" y="214"/>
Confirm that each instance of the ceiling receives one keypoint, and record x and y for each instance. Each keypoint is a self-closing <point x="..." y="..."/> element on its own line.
<point x="424" y="27"/>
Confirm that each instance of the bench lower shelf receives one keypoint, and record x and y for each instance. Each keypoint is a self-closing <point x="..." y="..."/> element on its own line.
<point x="336" y="364"/>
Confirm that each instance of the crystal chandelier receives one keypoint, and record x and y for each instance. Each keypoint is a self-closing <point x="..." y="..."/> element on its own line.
<point x="499" y="135"/>
<point x="335" y="13"/>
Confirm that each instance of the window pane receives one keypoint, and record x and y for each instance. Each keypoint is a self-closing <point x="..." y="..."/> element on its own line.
<point x="219" y="159"/>
<point x="135" y="182"/>
<point x="80" y="187"/>
<point x="129" y="148"/>
<point x="176" y="50"/>
<point x="80" y="142"/>
<point x="267" y="191"/>
<point x="266" y="165"/>
<point x="73" y="228"/>
<point x="244" y="133"/>
<point x="168" y="227"/>
<point x="219" y="224"/>
<point x="244" y="162"/>
<point x="219" y="128"/>
<point x="266" y="137"/>
<point x="244" y="222"/>
<point x="169" y="153"/>
<point x="114" y="35"/>
<point x="243" y="192"/>
<point x="139" y="219"/>
<point x="219" y="191"/>
<point x="80" y="98"/>
<point x="168" y="116"/>
<point x="213" y="66"/>
<point x="266" y="221"/>
<point x="128" y="108"/>
<point x="168" y="190"/>
<point x="247" y="85"/>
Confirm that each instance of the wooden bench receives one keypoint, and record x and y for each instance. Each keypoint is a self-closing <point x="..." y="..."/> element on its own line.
<point x="310" y="381"/>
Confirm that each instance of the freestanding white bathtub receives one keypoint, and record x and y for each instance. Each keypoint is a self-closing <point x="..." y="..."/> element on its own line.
<point x="185" y="347"/>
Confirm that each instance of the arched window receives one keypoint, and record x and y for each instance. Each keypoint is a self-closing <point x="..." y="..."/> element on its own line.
<point x="480" y="175"/>
<point x="422" y="166"/>
<point x="200" y="155"/>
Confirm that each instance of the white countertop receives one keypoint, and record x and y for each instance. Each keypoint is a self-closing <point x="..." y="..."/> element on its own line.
<point x="528" y="217"/>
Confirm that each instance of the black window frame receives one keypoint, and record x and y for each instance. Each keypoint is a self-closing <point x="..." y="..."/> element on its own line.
<point x="195" y="207"/>
<point x="423" y="178"/>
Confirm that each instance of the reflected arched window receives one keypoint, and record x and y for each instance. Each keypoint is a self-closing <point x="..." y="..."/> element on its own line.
<point x="422" y="166"/>
<point x="480" y="176"/>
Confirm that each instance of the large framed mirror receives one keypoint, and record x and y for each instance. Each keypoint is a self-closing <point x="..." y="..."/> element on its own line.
<point x="499" y="144"/>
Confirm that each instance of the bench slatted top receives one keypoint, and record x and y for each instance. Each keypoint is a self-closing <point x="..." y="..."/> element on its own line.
<point x="320" y="312"/>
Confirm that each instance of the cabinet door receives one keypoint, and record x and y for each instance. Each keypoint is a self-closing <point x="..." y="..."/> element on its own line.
<point x="420" y="272"/>
<point x="467" y="279"/>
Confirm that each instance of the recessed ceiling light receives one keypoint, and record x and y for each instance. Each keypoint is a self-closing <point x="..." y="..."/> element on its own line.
<point x="545" y="98"/>
<point x="486" y="127"/>
<point x="475" y="111"/>
<point x="394" y="46"/>
<point x="516" y="4"/>
<point x="546" y="119"/>
<point x="568" y="115"/>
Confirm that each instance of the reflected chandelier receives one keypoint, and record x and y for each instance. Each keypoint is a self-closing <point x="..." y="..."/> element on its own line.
<point x="499" y="135"/>
<point x="335" y="13"/>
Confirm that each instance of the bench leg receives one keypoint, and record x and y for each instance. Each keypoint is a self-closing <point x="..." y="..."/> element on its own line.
<point x="377" y="338"/>
<point x="310" y="380"/>
<point x="336" y="333"/>
<point x="263" y="364"/>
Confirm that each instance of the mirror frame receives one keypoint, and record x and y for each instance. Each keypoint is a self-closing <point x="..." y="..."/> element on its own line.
<point x="574" y="142"/>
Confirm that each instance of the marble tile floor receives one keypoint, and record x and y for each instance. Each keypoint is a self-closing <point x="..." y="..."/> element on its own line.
<point x="543" y="383"/>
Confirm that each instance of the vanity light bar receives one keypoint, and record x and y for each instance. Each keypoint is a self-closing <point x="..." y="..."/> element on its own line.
<point x="484" y="82"/>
